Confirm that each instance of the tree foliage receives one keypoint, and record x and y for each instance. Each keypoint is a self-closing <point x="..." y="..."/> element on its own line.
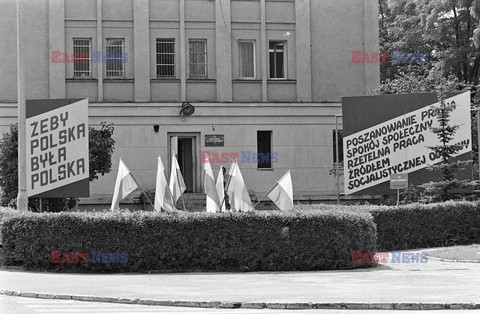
<point x="449" y="187"/>
<point x="101" y="147"/>
<point x="448" y="30"/>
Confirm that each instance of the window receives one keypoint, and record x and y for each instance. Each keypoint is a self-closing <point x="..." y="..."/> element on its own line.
<point x="340" y="147"/>
<point x="246" y="53"/>
<point x="165" y="57"/>
<point x="82" y="48"/>
<point x="115" y="53"/>
<point x="277" y="59"/>
<point x="198" y="58"/>
<point x="264" y="149"/>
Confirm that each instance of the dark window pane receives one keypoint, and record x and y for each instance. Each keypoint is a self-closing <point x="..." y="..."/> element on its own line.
<point x="264" y="149"/>
<point x="340" y="146"/>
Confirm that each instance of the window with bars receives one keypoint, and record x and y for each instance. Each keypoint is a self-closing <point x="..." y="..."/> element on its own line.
<point x="115" y="52"/>
<point x="246" y="53"/>
<point x="82" y="49"/>
<point x="165" y="57"/>
<point x="198" y="58"/>
<point x="277" y="59"/>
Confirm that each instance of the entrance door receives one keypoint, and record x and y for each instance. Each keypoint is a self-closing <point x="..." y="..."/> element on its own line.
<point x="185" y="148"/>
<point x="185" y="160"/>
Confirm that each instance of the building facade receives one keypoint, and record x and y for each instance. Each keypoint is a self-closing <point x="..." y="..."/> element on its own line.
<point x="264" y="76"/>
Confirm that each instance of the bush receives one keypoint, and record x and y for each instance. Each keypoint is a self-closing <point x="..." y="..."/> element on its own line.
<point x="260" y="241"/>
<point x="427" y="225"/>
<point x="419" y="225"/>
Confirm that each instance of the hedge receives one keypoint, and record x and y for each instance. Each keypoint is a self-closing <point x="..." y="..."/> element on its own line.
<point x="420" y="225"/>
<point x="427" y="225"/>
<point x="259" y="241"/>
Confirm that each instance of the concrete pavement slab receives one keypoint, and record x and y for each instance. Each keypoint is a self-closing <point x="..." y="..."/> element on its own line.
<point x="434" y="282"/>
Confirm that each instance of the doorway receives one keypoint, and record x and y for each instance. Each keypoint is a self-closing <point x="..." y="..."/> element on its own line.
<point x="185" y="147"/>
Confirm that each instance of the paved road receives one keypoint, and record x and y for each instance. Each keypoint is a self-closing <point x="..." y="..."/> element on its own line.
<point x="434" y="282"/>
<point x="20" y="305"/>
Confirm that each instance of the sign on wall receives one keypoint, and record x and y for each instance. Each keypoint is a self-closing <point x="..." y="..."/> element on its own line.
<point x="385" y="135"/>
<point x="214" y="140"/>
<point x="57" y="148"/>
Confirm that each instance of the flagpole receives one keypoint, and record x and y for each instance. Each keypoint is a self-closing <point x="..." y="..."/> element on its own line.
<point x="266" y="194"/>
<point x="183" y="202"/>
<point x="140" y="187"/>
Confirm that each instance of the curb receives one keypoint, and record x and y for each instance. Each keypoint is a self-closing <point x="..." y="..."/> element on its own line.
<point x="250" y="305"/>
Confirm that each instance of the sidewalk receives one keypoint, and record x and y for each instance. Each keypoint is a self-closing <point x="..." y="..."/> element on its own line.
<point x="440" y="284"/>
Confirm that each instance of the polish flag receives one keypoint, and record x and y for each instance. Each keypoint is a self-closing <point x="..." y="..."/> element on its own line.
<point x="124" y="185"/>
<point x="177" y="185"/>
<point x="213" y="202"/>
<point x="237" y="191"/>
<point x="163" y="196"/>
<point x="282" y="192"/>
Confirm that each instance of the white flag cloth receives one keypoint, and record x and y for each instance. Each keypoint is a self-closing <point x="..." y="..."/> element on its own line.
<point x="177" y="185"/>
<point x="213" y="202"/>
<point x="163" y="197"/>
<point x="221" y="189"/>
<point x="124" y="185"/>
<point x="282" y="193"/>
<point x="237" y="191"/>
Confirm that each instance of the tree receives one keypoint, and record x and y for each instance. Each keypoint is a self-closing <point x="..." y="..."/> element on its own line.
<point x="448" y="30"/>
<point x="449" y="187"/>
<point x="101" y="147"/>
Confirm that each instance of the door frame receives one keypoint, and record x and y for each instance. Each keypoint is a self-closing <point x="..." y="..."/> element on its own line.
<point x="196" y="151"/>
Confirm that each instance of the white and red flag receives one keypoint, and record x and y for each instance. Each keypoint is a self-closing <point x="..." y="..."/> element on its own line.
<point x="213" y="202"/>
<point x="124" y="185"/>
<point x="237" y="191"/>
<point x="163" y="196"/>
<point x="282" y="192"/>
<point x="177" y="184"/>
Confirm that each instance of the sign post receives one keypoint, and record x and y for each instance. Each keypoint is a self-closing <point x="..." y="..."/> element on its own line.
<point x="22" y="199"/>
<point x="398" y="181"/>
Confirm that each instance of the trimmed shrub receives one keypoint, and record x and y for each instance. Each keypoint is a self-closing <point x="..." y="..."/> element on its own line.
<point x="427" y="225"/>
<point x="419" y="225"/>
<point x="259" y="241"/>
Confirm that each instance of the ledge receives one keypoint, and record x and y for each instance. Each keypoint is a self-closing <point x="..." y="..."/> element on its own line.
<point x="201" y="81"/>
<point x="281" y="81"/>
<point x="165" y="80"/>
<point x="119" y="80"/>
<point x="81" y="80"/>
<point x="246" y="81"/>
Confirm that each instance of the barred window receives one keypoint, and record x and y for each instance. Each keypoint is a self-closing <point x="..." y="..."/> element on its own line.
<point x="246" y="52"/>
<point x="165" y="57"/>
<point x="82" y="49"/>
<point x="198" y="58"/>
<point x="277" y="59"/>
<point x="115" y="57"/>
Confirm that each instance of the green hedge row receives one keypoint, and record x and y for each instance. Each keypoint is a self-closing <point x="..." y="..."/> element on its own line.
<point x="420" y="225"/>
<point x="427" y="225"/>
<point x="139" y="242"/>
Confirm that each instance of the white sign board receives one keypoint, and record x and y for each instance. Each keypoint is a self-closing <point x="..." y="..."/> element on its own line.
<point x="401" y="145"/>
<point x="57" y="147"/>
